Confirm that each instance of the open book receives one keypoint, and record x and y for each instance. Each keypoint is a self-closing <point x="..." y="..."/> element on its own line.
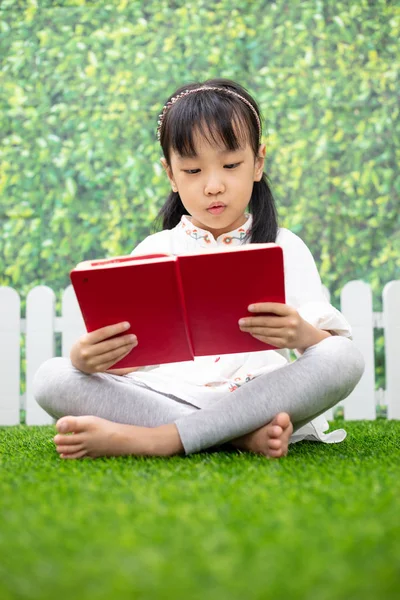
<point x="181" y="306"/>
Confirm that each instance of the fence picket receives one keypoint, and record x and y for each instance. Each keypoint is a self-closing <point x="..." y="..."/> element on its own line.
<point x="40" y="345"/>
<point x="356" y="306"/>
<point x="10" y="314"/>
<point x="391" y="323"/>
<point x="72" y="323"/>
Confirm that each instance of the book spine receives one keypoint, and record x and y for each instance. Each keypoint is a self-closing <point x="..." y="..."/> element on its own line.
<point x="184" y="308"/>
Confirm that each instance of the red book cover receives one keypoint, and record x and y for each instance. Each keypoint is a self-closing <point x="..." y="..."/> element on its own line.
<point x="181" y="306"/>
<point x="146" y="293"/>
<point x="218" y="288"/>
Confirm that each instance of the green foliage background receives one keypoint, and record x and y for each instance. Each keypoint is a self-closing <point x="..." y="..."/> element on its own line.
<point x="81" y="87"/>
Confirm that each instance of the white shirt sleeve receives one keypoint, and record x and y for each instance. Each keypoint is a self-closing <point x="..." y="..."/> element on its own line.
<point x="303" y="286"/>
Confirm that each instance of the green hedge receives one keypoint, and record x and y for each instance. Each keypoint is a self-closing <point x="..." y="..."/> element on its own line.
<point x="81" y="87"/>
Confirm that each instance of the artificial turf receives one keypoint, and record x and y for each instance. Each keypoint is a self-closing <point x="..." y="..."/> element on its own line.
<point x="322" y="523"/>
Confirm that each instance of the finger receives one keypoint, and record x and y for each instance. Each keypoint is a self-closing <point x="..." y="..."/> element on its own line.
<point x="106" y="332"/>
<point x="273" y="322"/>
<point x="115" y="354"/>
<point x="270" y="307"/>
<point x="97" y="363"/>
<point x="93" y="358"/>
<point x="102" y="367"/>
<point x="109" y="345"/>
<point x="277" y="342"/>
<point x="264" y="331"/>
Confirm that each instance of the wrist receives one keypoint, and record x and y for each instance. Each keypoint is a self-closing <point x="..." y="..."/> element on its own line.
<point x="314" y="336"/>
<point x="75" y="363"/>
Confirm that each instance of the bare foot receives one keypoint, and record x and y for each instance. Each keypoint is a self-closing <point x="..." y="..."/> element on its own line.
<point x="270" y="440"/>
<point x="92" y="437"/>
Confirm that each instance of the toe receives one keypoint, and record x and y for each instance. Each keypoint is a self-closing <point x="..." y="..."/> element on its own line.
<point x="274" y="431"/>
<point x="67" y="425"/>
<point x="68" y="439"/>
<point x="275" y="444"/>
<point x="76" y="424"/>
<point x="275" y="453"/>
<point x="69" y="449"/>
<point x="282" y="419"/>
<point x="80" y="454"/>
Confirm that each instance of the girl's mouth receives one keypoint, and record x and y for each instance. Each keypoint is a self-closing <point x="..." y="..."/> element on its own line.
<point x="216" y="210"/>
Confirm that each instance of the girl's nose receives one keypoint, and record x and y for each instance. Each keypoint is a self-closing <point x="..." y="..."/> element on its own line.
<point x="214" y="186"/>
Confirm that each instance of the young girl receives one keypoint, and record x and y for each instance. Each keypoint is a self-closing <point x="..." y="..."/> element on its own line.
<point x="210" y="135"/>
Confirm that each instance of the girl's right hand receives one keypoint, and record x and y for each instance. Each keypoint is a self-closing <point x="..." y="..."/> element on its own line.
<point x="95" y="353"/>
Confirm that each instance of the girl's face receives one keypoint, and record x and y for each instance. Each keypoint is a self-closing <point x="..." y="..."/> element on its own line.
<point x="215" y="176"/>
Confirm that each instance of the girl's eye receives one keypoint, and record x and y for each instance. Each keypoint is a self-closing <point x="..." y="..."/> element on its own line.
<point x="194" y="171"/>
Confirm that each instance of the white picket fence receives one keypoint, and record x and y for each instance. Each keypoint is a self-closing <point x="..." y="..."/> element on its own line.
<point x="41" y="325"/>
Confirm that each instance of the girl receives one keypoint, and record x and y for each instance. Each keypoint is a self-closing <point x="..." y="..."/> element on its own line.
<point x="210" y="135"/>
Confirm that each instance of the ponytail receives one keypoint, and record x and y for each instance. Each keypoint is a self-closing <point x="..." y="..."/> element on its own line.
<point x="170" y="214"/>
<point x="265" y="219"/>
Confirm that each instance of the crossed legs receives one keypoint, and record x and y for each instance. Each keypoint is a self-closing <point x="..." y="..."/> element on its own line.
<point x="109" y="415"/>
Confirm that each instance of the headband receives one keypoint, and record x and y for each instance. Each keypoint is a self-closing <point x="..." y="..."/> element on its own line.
<point x="187" y="92"/>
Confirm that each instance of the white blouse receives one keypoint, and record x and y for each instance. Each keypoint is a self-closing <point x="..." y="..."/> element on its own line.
<point x="207" y="378"/>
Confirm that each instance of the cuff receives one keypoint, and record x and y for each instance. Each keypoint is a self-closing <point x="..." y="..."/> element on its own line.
<point x="323" y="315"/>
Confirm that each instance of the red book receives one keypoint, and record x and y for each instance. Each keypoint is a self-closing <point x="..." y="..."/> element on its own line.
<point x="181" y="306"/>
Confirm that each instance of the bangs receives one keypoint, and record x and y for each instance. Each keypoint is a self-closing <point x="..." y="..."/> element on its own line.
<point x="220" y="120"/>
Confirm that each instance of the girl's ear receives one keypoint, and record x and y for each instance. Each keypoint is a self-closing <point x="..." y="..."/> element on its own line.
<point x="259" y="163"/>
<point x="168" y="171"/>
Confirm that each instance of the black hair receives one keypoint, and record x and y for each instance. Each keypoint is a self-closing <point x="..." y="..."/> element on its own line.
<point x="229" y="120"/>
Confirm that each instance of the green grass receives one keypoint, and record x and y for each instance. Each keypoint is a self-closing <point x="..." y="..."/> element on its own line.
<point x="321" y="524"/>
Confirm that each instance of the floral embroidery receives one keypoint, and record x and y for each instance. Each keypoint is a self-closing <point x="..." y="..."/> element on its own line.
<point x="233" y="385"/>
<point x="239" y="382"/>
<point x="193" y="234"/>
<point x="228" y="239"/>
<point x="196" y="235"/>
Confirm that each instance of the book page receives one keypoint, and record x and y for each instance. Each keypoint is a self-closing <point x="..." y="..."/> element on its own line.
<point x="121" y="261"/>
<point x="226" y="249"/>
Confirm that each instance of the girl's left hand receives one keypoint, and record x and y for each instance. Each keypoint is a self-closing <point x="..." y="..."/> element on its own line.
<point x="285" y="328"/>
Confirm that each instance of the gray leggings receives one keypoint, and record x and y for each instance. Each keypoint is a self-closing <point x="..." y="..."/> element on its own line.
<point x="323" y="376"/>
